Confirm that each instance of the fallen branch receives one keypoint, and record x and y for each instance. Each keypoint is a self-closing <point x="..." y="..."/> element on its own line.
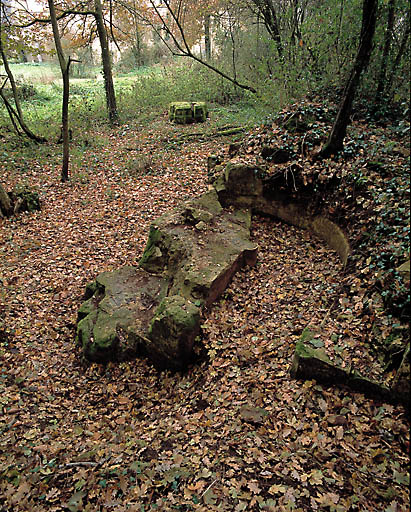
<point x="208" y="488"/>
<point x="78" y="464"/>
<point x="218" y="133"/>
<point x="230" y="131"/>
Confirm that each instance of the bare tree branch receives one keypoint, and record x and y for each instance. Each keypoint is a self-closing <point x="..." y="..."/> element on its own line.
<point x="184" y="48"/>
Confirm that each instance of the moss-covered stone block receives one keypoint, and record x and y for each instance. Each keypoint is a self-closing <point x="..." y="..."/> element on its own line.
<point x="183" y="112"/>
<point x="172" y="332"/>
<point x="199" y="246"/>
<point x="404" y="270"/>
<point x="25" y="199"/>
<point x="243" y="181"/>
<point x="113" y="322"/>
<point x="191" y="255"/>
<point x="367" y="386"/>
<point x="164" y="251"/>
<point x="313" y="363"/>
<point x="200" y="111"/>
<point x="153" y="259"/>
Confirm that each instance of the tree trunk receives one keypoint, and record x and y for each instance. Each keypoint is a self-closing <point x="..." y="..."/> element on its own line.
<point x="137" y="46"/>
<point x="399" y="56"/>
<point x="386" y="51"/>
<point x="65" y="122"/>
<point x="335" y="142"/>
<point x="268" y="12"/>
<point x="64" y="67"/>
<point x="106" y="60"/>
<point x="5" y="203"/>
<point x="15" y="114"/>
<point x="207" y="36"/>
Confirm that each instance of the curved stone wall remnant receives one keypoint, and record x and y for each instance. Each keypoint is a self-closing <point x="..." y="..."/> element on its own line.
<point x="242" y="185"/>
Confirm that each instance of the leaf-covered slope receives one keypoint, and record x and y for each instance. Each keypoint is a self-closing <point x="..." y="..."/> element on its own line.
<point x="233" y="433"/>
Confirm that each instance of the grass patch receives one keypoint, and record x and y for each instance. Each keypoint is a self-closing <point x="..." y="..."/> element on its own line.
<point x="35" y="72"/>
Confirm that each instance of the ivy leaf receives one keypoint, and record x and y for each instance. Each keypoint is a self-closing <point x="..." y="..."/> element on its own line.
<point x="401" y="478"/>
<point x="317" y="343"/>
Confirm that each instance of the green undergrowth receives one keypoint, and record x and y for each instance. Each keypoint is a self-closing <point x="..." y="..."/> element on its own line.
<point x="381" y="189"/>
<point x="376" y="191"/>
<point x="141" y="95"/>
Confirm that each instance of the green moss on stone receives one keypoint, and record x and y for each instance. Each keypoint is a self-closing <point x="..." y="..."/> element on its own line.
<point x="184" y="112"/>
<point x="151" y="256"/>
<point x="85" y="329"/>
<point x="29" y="197"/>
<point x="85" y="309"/>
<point x="304" y="351"/>
<point x="91" y="289"/>
<point x="174" y="313"/>
<point x="203" y="209"/>
<point x="306" y="335"/>
<point x="172" y="331"/>
<point x="315" y="364"/>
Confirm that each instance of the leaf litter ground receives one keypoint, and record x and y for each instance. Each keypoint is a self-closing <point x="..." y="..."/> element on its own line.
<point x="234" y="432"/>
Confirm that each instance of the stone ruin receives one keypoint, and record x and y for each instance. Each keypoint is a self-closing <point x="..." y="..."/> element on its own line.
<point x="154" y="309"/>
<point x="191" y="255"/>
<point x="184" y="112"/>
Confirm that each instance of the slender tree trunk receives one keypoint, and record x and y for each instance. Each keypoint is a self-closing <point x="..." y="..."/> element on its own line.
<point x="386" y="51"/>
<point x="399" y="56"/>
<point x="337" y="42"/>
<point x="335" y="140"/>
<point x="269" y="14"/>
<point x="15" y="114"/>
<point x="106" y="60"/>
<point x="5" y="203"/>
<point x="233" y="48"/>
<point x="64" y="67"/>
<point x="207" y="37"/>
<point x="65" y="122"/>
<point x="137" y="45"/>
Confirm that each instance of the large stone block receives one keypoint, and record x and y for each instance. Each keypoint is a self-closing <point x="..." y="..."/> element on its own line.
<point x="172" y="332"/>
<point x="191" y="254"/>
<point x="114" y="320"/>
<point x="200" y="246"/>
<point x="183" y="112"/>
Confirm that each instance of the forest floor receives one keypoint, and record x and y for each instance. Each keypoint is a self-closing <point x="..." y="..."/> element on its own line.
<point x="234" y="432"/>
